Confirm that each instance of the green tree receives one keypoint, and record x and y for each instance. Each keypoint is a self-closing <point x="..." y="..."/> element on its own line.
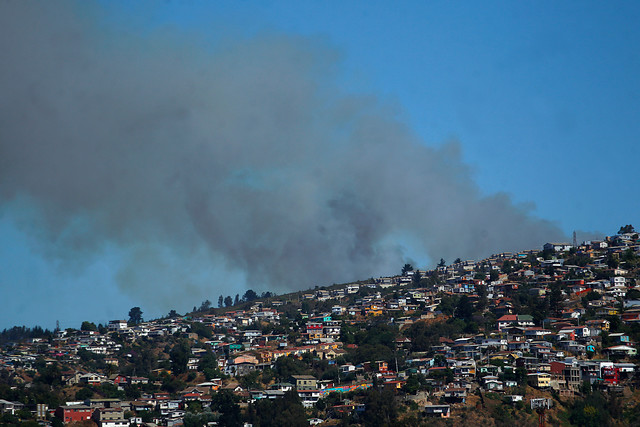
<point x="209" y="366"/>
<point x="555" y="299"/>
<point x="135" y="316"/>
<point x="48" y="374"/>
<point x="406" y="268"/>
<point x="381" y="408"/>
<point x="626" y="229"/>
<point x="482" y="297"/>
<point x="84" y="394"/>
<point x="447" y="304"/>
<point x="285" y="411"/>
<point x="416" y="278"/>
<point x="464" y="308"/>
<point x="220" y="301"/>
<point x="612" y="260"/>
<point x="88" y="326"/>
<point x="224" y="403"/>
<point x="249" y="296"/>
<point x="179" y="357"/>
<point x="287" y="366"/>
<point x="228" y="301"/>
<point x="507" y="266"/>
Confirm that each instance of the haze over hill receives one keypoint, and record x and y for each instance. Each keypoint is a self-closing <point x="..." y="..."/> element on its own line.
<point x="187" y="164"/>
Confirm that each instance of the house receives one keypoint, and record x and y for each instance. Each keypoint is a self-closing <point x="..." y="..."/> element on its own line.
<point x="534" y="332"/>
<point x="610" y="375"/>
<point x="353" y="288"/>
<point x="621" y="350"/>
<point x="309" y="397"/>
<point x="557" y="247"/>
<point x="618" y="281"/>
<point x="539" y="380"/>
<point x="606" y="311"/>
<point x="92" y="379"/>
<point x="619" y="337"/>
<point x="304" y="382"/>
<point x="110" y="417"/>
<point x="452" y="394"/>
<point x="441" y="411"/>
<point x="506" y="321"/>
<point x="117" y="325"/>
<point x="513" y="398"/>
<point x="7" y="407"/>
<point x="331" y="329"/>
<point x="345" y="369"/>
<point x="599" y="324"/>
<point x="73" y="413"/>
<point x="314" y="330"/>
<point x="492" y="383"/>
<point x="509" y="320"/>
<point x="104" y="403"/>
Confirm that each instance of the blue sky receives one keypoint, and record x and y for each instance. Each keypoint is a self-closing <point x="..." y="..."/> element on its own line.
<point x="543" y="99"/>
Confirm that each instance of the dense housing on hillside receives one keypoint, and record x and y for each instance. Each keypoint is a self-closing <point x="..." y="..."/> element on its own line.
<point x="463" y="341"/>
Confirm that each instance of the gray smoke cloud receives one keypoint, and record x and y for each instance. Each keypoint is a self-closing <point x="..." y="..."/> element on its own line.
<point x="199" y="163"/>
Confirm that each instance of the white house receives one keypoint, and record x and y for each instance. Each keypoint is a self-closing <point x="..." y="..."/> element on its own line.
<point x="118" y="325"/>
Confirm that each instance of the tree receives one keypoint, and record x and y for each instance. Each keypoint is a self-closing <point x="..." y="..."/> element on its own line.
<point x="464" y="308"/>
<point x="173" y="314"/>
<point x="237" y="300"/>
<point x="220" y="301"/>
<point x="249" y="296"/>
<point x="206" y="305"/>
<point x="442" y="263"/>
<point x="406" y="268"/>
<point x="228" y="301"/>
<point x="209" y="366"/>
<point x="626" y="229"/>
<point x="88" y="326"/>
<point x="507" y="266"/>
<point x="555" y="299"/>
<point x="482" y="297"/>
<point x="224" y="403"/>
<point x="417" y="277"/>
<point x="179" y="357"/>
<point x="135" y="316"/>
<point x="287" y="366"/>
<point x="612" y="261"/>
<point x="381" y="408"/>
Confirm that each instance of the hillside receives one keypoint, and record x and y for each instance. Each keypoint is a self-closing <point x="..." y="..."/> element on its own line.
<point x="466" y="343"/>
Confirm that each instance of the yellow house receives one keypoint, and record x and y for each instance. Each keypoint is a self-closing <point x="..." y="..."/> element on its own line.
<point x="373" y="310"/>
<point x="539" y="380"/>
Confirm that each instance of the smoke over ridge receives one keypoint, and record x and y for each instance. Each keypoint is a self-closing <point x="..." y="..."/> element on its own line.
<point x="243" y="157"/>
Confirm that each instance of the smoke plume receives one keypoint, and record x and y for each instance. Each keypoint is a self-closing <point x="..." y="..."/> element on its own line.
<point x="243" y="159"/>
